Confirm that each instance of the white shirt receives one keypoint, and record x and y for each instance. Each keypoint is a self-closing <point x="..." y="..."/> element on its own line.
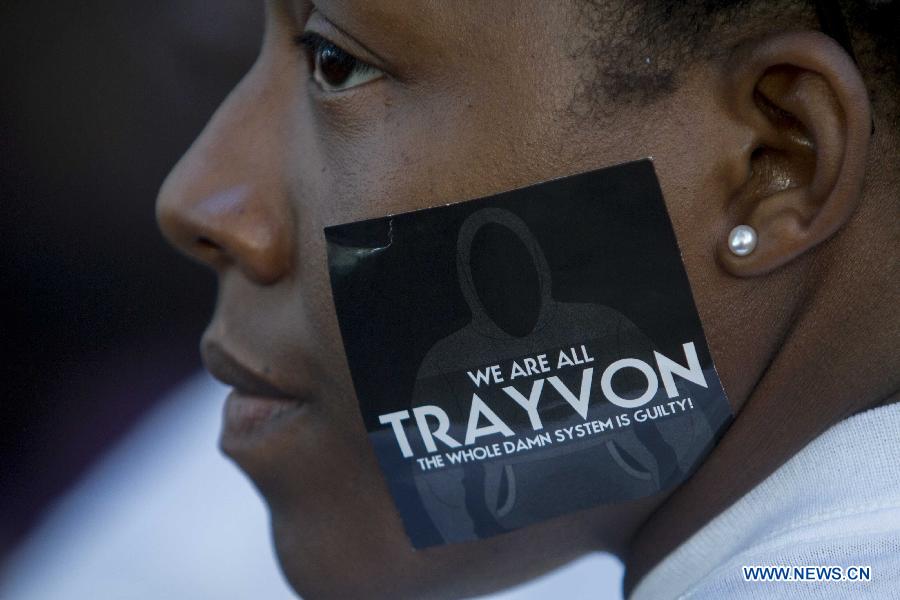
<point x="835" y="503"/>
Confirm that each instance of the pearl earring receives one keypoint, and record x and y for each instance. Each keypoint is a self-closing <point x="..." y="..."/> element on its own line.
<point x="742" y="240"/>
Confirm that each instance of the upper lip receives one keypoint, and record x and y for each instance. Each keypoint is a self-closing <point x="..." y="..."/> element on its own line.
<point x="230" y="371"/>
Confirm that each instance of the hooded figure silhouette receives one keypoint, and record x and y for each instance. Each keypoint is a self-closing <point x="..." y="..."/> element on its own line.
<point x="477" y="499"/>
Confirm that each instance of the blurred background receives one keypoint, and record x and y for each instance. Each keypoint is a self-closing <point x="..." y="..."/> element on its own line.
<point x="107" y="429"/>
<point x="100" y="99"/>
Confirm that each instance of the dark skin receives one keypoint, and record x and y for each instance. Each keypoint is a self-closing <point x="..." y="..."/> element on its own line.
<point x="800" y="330"/>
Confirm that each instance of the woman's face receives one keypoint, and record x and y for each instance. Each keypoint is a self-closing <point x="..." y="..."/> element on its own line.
<point x="386" y="107"/>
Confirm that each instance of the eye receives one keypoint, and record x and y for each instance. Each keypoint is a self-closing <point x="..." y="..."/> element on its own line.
<point x="332" y="67"/>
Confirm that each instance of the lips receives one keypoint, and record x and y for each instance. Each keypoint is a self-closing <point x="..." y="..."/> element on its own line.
<point x="230" y="371"/>
<point x="257" y="402"/>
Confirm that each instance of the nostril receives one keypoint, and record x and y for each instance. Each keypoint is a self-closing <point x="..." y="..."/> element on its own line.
<point x="209" y="251"/>
<point x="238" y="226"/>
<point x="204" y="243"/>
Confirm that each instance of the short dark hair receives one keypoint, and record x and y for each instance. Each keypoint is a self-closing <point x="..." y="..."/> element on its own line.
<point x="672" y="33"/>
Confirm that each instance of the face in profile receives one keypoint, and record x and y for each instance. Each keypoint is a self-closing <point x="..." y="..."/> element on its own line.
<point x="356" y="110"/>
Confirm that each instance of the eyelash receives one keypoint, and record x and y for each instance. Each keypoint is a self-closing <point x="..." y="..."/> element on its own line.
<point x="314" y="45"/>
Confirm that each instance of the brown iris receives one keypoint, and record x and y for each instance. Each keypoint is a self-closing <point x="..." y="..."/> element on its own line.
<point x="335" y="65"/>
<point x="332" y="67"/>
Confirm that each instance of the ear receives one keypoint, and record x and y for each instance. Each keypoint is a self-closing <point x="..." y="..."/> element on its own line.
<point x="806" y="119"/>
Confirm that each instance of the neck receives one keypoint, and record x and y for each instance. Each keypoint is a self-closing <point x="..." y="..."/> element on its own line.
<point x="836" y="357"/>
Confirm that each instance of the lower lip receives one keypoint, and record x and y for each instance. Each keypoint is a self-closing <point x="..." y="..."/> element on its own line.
<point x="254" y="415"/>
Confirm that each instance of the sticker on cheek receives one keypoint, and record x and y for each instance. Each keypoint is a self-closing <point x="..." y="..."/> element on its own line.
<point x="528" y="354"/>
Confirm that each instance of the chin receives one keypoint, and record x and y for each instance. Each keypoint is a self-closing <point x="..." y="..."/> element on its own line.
<point x="338" y="534"/>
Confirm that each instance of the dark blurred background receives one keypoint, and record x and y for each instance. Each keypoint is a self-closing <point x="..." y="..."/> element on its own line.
<point x="99" y="100"/>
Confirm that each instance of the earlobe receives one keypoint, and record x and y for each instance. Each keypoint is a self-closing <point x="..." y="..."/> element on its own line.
<point x="806" y="111"/>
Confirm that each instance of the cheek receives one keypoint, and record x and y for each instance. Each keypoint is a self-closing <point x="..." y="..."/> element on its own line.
<point x="336" y="528"/>
<point x="394" y="154"/>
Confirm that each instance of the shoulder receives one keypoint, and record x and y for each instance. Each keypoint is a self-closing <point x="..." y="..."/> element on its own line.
<point x="833" y="506"/>
<point x="850" y="554"/>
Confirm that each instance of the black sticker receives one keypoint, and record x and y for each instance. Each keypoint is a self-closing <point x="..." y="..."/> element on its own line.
<point x="525" y="355"/>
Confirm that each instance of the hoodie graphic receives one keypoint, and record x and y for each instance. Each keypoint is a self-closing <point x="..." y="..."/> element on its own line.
<point x="468" y="501"/>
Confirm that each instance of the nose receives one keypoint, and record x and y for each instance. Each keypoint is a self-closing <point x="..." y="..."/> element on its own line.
<point x="224" y="203"/>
